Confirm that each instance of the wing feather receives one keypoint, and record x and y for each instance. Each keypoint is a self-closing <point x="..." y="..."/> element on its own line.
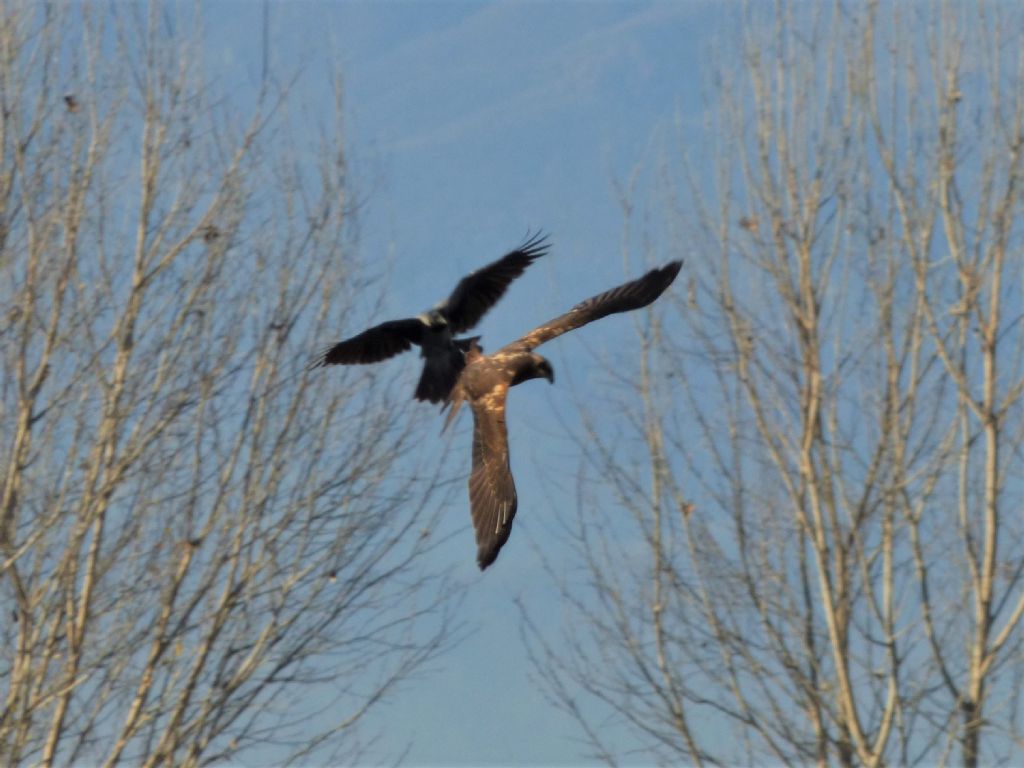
<point x="492" y="491"/>
<point x="373" y="345"/>
<point x="628" y="296"/>
<point x="478" y="291"/>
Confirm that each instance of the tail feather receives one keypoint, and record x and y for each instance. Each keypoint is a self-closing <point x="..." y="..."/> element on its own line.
<point x="453" y="403"/>
<point x="471" y="351"/>
<point x="440" y="373"/>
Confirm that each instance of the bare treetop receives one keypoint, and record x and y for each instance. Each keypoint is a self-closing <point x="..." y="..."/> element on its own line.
<point x="822" y="559"/>
<point x="204" y="549"/>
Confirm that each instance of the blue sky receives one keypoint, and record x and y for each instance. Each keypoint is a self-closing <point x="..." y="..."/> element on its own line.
<point x="469" y="124"/>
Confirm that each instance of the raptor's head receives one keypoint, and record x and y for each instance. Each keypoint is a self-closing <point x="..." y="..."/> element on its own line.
<point x="544" y="369"/>
<point x="537" y="368"/>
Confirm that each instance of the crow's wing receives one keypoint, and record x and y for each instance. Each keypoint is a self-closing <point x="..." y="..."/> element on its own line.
<point x="478" y="291"/>
<point x="374" y="344"/>
<point x="632" y="295"/>
<point x="492" y="492"/>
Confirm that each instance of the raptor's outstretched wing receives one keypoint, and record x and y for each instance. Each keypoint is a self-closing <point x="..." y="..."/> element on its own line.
<point x="632" y="295"/>
<point x="478" y="291"/>
<point x="492" y="492"/>
<point x="373" y="345"/>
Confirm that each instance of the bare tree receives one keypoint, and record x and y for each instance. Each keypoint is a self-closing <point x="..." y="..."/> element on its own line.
<point x="822" y="558"/>
<point x="205" y="548"/>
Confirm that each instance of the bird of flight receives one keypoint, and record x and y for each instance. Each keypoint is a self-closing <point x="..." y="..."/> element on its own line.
<point x="434" y="330"/>
<point x="485" y="381"/>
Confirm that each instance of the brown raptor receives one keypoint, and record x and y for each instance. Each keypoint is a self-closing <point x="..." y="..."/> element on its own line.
<point x="485" y="382"/>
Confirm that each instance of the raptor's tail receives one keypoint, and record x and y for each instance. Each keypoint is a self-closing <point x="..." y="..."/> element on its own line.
<point x="453" y="403"/>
